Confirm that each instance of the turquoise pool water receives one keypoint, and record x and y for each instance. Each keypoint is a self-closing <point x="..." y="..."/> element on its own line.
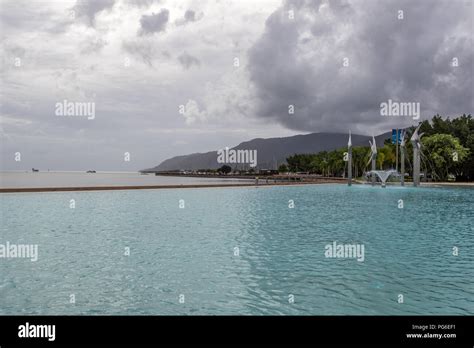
<point x="281" y="251"/>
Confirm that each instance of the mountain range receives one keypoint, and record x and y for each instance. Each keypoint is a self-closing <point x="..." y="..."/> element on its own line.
<point x="271" y="152"/>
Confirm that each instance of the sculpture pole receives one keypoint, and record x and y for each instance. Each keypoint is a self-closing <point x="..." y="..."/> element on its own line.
<point x="373" y="147"/>
<point x="415" y="140"/>
<point x="402" y="159"/>
<point x="349" y="162"/>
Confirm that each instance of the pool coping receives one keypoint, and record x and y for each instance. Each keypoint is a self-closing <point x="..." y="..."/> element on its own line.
<point x="157" y="187"/>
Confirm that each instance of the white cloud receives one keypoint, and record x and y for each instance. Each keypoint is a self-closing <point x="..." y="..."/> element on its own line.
<point x="192" y="114"/>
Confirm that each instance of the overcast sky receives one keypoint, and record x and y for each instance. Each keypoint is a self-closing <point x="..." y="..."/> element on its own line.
<point x="231" y="67"/>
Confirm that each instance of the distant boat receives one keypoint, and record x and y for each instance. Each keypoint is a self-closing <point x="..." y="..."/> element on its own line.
<point x="34" y="170"/>
<point x="91" y="171"/>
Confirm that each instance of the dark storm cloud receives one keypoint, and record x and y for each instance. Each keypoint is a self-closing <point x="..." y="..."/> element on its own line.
<point x="299" y="62"/>
<point x="143" y="51"/>
<point x="190" y="16"/>
<point x="88" y="9"/>
<point x="187" y="61"/>
<point x="155" y="22"/>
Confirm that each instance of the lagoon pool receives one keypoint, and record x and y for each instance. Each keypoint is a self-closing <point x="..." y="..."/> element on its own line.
<point x="240" y="251"/>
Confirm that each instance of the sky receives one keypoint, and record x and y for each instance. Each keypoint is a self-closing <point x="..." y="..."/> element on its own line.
<point x="176" y="77"/>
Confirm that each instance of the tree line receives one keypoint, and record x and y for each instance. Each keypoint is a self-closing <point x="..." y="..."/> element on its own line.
<point x="447" y="153"/>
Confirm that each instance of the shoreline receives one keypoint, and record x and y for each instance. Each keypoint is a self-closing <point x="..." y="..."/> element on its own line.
<point x="219" y="185"/>
<point x="156" y="187"/>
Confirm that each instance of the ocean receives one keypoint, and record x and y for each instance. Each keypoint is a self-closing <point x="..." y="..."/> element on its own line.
<point x="77" y="179"/>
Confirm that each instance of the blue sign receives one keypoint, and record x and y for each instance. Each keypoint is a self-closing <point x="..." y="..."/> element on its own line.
<point x="394" y="136"/>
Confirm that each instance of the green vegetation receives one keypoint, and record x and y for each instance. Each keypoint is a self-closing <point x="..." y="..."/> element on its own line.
<point x="445" y="154"/>
<point x="225" y="169"/>
<point x="447" y="150"/>
<point x="462" y="129"/>
<point x="283" y="168"/>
